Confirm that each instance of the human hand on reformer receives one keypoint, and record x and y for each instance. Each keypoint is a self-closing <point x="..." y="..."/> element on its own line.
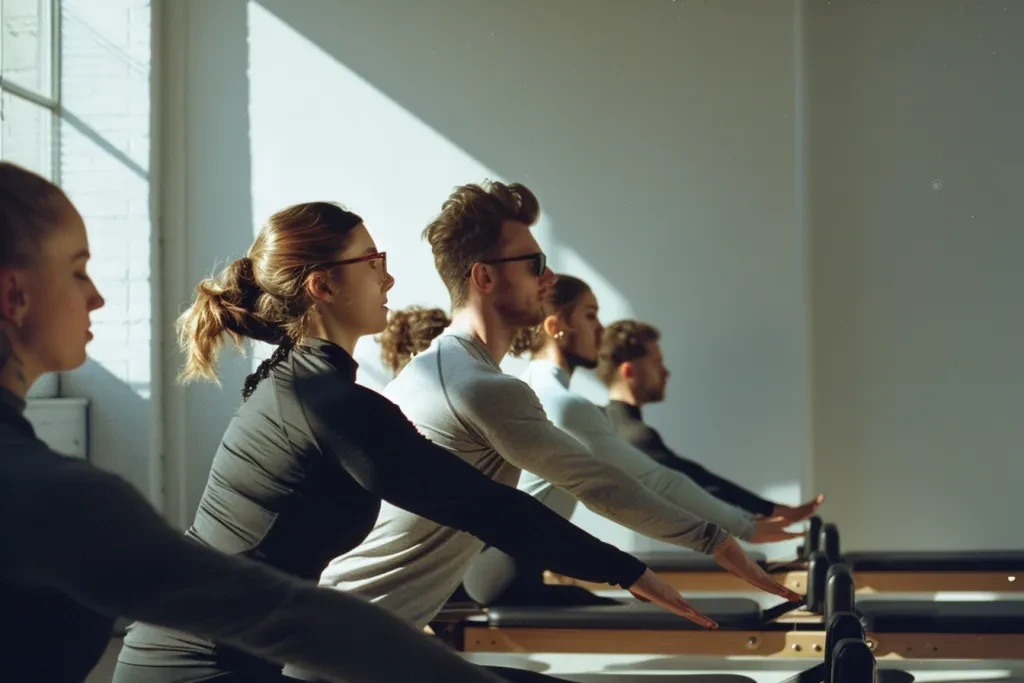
<point x="773" y="530"/>
<point x="732" y="558"/>
<point x="652" y="588"/>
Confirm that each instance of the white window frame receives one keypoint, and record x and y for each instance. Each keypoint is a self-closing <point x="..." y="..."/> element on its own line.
<point x="54" y="103"/>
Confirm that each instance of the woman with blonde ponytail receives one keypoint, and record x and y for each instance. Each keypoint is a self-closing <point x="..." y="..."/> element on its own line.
<point x="309" y="457"/>
<point x="81" y="547"/>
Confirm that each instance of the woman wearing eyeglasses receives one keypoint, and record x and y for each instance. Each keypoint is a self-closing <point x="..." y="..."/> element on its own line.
<point x="307" y="459"/>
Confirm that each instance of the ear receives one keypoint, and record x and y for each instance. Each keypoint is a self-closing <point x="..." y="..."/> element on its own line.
<point x="551" y="326"/>
<point x="320" y="287"/>
<point x="626" y="371"/>
<point x="14" y="299"/>
<point x="480" y="278"/>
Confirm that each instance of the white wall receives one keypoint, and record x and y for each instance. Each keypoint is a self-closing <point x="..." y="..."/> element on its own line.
<point x="914" y="166"/>
<point x="699" y="160"/>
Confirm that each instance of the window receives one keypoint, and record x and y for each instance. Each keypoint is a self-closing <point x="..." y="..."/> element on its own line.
<point x="30" y="84"/>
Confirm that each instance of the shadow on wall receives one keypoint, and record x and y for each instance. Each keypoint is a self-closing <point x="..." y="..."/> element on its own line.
<point x="608" y="114"/>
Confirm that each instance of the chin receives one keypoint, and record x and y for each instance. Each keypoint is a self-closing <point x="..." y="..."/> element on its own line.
<point x="71" y="361"/>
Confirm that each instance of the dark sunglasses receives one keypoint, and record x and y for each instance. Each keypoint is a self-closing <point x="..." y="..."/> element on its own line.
<point x="381" y="256"/>
<point x="540" y="262"/>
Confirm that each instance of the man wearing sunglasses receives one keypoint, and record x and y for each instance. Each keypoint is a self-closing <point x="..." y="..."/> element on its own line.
<point x="457" y="395"/>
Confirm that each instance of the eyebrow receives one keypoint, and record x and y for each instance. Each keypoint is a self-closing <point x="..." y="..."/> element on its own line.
<point x="370" y="250"/>
<point x="83" y="254"/>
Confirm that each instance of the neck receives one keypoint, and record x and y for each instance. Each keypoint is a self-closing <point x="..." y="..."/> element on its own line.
<point x="14" y="375"/>
<point x="494" y="333"/>
<point x="333" y="332"/>
<point x="553" y="354"/>
<point x="622" y="394"/>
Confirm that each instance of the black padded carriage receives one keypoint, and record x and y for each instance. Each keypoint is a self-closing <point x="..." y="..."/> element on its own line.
<point x="904" y="629"/>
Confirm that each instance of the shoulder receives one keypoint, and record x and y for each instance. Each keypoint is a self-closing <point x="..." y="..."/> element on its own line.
<point x="329" y="399"/>
<point x="496" y="391"/>
<point x="638" y="433"/>
<point x="574" y="411"/>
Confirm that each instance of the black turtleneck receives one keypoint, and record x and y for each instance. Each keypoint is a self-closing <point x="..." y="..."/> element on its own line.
<point x="629" y="424"/>
<point x="299" y="478"/>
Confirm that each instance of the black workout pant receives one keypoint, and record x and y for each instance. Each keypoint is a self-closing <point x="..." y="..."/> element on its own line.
<point x="495" y="579"/>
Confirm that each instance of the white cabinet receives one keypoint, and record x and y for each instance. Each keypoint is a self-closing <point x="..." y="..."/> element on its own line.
<point x="62" y="423"/>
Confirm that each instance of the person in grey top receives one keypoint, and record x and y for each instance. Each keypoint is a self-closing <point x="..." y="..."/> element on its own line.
<point x="457" y="396"/>
<point x="80" y="546"/>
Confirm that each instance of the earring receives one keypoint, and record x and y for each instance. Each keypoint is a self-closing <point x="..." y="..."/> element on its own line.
<point x="559" y="334"/>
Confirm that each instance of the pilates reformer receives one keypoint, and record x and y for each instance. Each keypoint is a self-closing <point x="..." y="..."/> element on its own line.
<point x="895" y="629"/>
<point x="876" y="572"/>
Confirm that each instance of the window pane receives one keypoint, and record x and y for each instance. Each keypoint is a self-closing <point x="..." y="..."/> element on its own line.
<point x="26" y="137"/>
<point x="26" y="33"/>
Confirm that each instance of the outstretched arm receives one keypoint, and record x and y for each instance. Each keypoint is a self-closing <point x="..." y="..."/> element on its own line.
<point x="585" y="421"/>
<point x="94" y="538"/>
<point x="509" y="415"/>
<point x="405" y="468"/>
<point x="650" y="442"/>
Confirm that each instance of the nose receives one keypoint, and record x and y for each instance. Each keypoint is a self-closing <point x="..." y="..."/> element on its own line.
<point x="96" y="300"/>
<point x="389" y="281"/>
<point x="549" y="278"/>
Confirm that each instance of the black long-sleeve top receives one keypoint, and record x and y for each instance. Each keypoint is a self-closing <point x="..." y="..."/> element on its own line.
<point x="629" y="424"/>
<point x="300" y="474"/>
<point x="79" y="547"/>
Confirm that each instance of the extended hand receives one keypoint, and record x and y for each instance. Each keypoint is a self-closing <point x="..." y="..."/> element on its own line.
<point x="799" y="513"/>
<point x="731" y="557"/>
<point x="651" y="588"/>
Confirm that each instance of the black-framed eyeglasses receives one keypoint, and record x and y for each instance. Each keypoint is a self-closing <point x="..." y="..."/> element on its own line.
<point x="381" y="256"/>
<point x="539" y="259"/>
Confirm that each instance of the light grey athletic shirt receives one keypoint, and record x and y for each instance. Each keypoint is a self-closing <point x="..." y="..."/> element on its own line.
<point x="586" y="422"/>
<point x="458" y="397"/>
